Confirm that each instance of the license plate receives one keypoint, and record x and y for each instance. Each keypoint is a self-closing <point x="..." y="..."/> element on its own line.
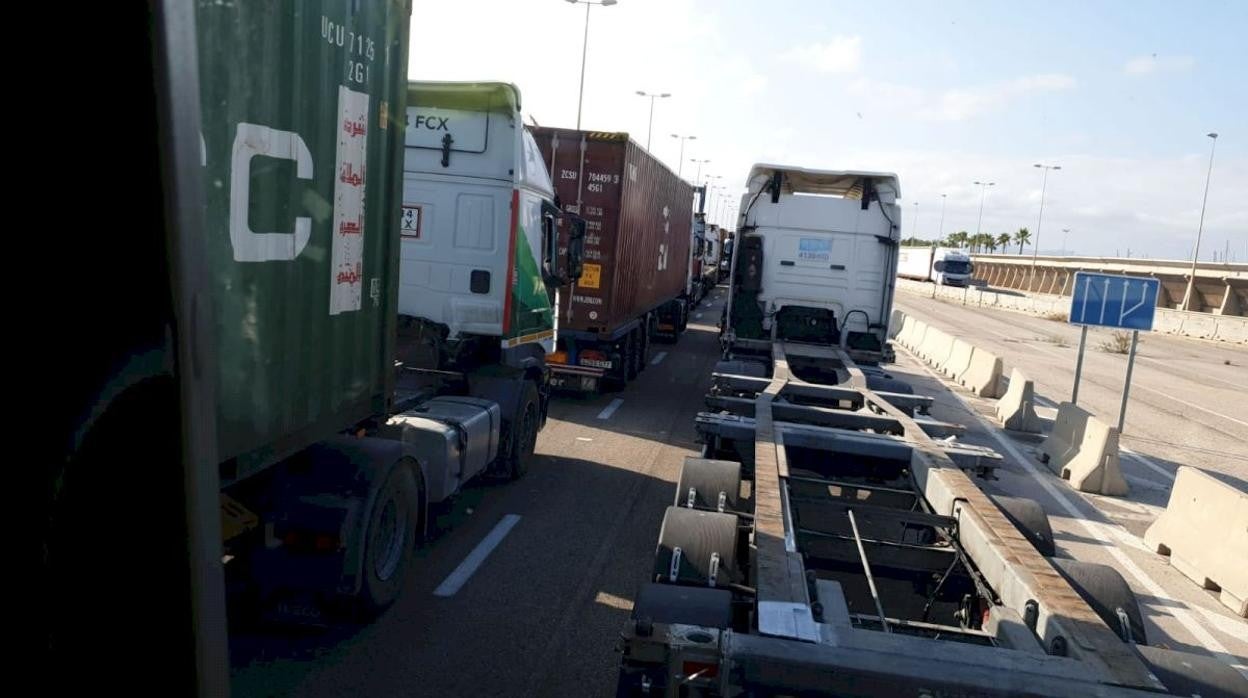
<point x="594" y="363"/>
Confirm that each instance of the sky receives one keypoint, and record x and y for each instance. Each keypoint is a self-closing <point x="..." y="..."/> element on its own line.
<point x="1119" y="94"/>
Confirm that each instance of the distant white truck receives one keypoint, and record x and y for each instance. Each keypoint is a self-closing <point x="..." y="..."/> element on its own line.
<point x="940" y="265"/>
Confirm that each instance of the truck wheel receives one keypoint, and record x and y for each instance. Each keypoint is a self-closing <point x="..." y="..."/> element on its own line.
<point x="1029" y="517"/>
<point x="644" y="337"/>
<point x="707" y="541"/>
<point x="632" y="357"/>
<point x="1187" y="674"/>
<point x="524" y="433"/>
<point x="1106" y="592"/>
<point x="391" y="533"/>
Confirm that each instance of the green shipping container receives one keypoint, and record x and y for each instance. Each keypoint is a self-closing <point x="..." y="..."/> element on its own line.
<point x="303" y="114"/>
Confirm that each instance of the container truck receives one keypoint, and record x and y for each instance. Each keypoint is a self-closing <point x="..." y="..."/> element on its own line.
<point x="829" y="538"/>
<point x="355" y="391"/>
<point x="940" y="265"/>
<point x="638" y="247"/>
<point x="814" y="260"/>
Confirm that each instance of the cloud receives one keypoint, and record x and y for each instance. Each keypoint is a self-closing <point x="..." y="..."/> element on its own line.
<point x="964" y="103"/>
<point x="841" y="54"/>
<point x="751" y="84"/>
<point x="954" y="104"/>
<point x="1147" y="65"/>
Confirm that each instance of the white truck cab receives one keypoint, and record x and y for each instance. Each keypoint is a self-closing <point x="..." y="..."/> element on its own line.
<point x="952" y="267"/>
<point x="815" y="258"/>
<point x="479" y="224"/>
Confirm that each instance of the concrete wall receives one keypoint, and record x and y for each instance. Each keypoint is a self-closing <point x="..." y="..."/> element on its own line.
<point x="1224" y="328"/>
<point x="1220" y="288"/>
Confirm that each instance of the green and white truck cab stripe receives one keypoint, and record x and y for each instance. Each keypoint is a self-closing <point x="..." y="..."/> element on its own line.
<point x="474" y="184"/>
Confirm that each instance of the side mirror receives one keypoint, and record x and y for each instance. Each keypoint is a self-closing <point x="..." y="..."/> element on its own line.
<point x="575" y="264"/>
<point x="550" y="243"/>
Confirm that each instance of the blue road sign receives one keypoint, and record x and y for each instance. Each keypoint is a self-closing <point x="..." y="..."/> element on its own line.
<point x="1113" y="300"/>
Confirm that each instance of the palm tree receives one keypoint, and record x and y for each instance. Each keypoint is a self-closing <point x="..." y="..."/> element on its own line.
<point x="1003" y="241"/>
<point x="958" y="239"/>
<point x="1022" y="237"/>
<point x="984" y="240"/>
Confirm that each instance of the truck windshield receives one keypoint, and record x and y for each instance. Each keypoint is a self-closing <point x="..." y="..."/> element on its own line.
<point x="957" y="266"/>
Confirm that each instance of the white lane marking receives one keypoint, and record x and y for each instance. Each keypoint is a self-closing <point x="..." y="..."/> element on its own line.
<point x="658" y="358"/>
<point x="1146" y="484"/>
<point x="1126" y="536"/>
<point x="1194" y="405"/>
<point x="583" y="438"/>
<point x="1235" y="628"/>
<point x="1141" y="458"/>
<point x="611" y="408"/>
<point x="1178" y="610"/>
<point x="460" y="575"/>
<point x="1164" y="362"/>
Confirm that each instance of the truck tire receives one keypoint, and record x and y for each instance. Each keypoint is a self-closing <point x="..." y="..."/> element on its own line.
<point x="700" y="536"/>
<point x="643" y="335"/>
<point x="390" y="541"/>
<point x="632" y="355"/>
<point x="1187" y="674"/>
<point x="707" y="478"/>
<point x="522" y="435"/>
<point x="1029" y="517"/>
<point x="1106" y="592"/>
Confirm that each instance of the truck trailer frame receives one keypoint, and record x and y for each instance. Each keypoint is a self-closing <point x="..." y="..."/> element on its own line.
<point x="839" y="549"/>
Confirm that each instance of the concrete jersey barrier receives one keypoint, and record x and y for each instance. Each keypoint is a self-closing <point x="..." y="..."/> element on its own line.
<point x="959" y="359"/>
<point x="1017" y="408"/>
<point x="983" y="374"/>
<point x="916" y="337"/>
<point x="1084" y="450"/>
<point x="939" y="348"/>
<point x="1204" y="530"/>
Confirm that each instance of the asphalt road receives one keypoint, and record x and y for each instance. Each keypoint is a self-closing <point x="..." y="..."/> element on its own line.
<point x="1163" y="431"/>
<point x="541" y="614"/>
<point x="574" y="539"/>
<point x="1186" y="400"/>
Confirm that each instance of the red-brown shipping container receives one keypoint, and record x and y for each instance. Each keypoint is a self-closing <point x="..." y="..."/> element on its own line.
<point x="638" y="216"/>
<point x="639" y="228"/>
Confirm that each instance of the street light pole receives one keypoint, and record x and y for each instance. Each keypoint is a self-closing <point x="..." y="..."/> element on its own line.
<point x="698" y="178"/>
<point x="652" y="97"/>
<point x="1200" y="227"/>
<point x="1064" y="233"/>
<point x="680" y="164"/>
<point x="1035" y="249"/>
<point x="983" y="193"/>
<point x="916" y="219"/>
<point x="584" y="50"/>
<point x="940" y="234"/>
